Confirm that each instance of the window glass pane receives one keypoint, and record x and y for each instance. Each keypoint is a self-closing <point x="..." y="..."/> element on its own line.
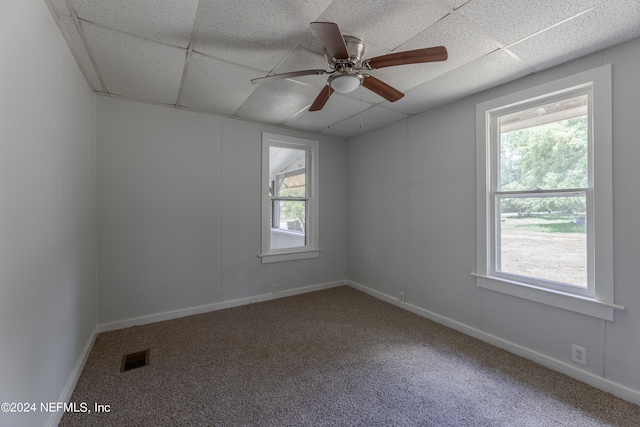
<point x="288" y="224"/>
<point x="545" y="147"/>
<point x="543" y="237"/>
<point x="287" y="172"/>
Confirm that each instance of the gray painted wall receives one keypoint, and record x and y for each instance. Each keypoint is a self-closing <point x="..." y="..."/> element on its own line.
<point x="47" y="213"/>
<point x="412" y="230"/>
<point x="179" y="213"/>
<point x="178" y="218"/>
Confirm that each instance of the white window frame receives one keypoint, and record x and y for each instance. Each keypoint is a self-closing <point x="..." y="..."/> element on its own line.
<point x="311" y="248"/>
<point x="598" y="300"/>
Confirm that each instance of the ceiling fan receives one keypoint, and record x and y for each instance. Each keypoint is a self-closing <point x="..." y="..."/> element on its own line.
<point x="347" y="68"/>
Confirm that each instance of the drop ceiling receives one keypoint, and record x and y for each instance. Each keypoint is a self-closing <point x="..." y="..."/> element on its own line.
<point x="200" y="55"/>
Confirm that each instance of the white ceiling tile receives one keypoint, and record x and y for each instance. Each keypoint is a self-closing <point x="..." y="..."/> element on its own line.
<point x="312" y="121"/>
<point x="463" y="42"/>
<point x="310" y="41"/>
<point x="60" y="6"/>
<point x="306" y="122"/>
<point x="494" y="69"/>
<point x="338" y="108"/>
<point x="215" y="86"/>
<point x="277" y="101"/>
<point x="72" y="36"/>
<point x="166" y="21"/>
<point x="370" y="119"/>
<point x="455" y="4"/>
<point x="511" y="20"/>
<point x="255" y="33"/>
<point x="388" y="25"/>
<point x="304" y="59"/>
<point x="134" y="67"/>
<point x="602" y="27"/>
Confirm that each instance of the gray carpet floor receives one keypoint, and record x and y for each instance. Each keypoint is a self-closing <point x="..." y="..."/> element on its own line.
<point x="336" y="357"/>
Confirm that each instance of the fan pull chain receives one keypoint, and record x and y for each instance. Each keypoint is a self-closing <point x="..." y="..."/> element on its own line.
<point x="328" y="114"/>
<point x="361" y="125"/>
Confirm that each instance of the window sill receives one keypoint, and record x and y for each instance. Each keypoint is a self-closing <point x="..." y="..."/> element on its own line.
<point x="268" y="258"/>
<point x="575" y="303"/>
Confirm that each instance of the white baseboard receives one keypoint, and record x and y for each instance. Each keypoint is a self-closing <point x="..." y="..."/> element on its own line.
<point x="596" y="381"/>
<point x="144" y="320"/>
<point x="65" y="395"/>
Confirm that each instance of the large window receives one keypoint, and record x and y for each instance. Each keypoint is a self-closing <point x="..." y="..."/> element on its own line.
<point x="544" y="194"/>
<point x="289" y="198"/>
<point x="540" y="192"/>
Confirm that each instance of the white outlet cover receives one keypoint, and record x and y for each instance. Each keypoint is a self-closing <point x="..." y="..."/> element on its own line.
<point x="579" y="354"/>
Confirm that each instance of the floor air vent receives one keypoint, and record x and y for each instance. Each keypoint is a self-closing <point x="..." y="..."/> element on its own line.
<point x="135" y="360"/>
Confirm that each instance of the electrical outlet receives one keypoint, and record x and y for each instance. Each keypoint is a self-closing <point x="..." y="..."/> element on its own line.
<point x="274" y="288"/>
<point x="401" y="297"/>
<point x="579" y="354"/>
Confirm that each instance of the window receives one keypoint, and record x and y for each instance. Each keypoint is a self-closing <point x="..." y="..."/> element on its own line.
<point x="289" y="198"/>
<point x="544" y="194"/>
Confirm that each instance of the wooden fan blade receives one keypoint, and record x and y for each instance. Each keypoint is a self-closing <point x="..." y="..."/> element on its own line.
<point x="321" y="99"/>
<point x="381" y="88"/>
<point x="330" y="35"/>
<point x="287" y="75"/>
<point x="429" y="54"/>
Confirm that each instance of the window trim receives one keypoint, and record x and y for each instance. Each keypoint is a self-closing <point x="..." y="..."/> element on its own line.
<point x="601" y="304"/>
<point x="311" y="249"/>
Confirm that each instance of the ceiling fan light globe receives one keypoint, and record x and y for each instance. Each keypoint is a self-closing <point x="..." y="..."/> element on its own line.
<point x="345" y="83"/>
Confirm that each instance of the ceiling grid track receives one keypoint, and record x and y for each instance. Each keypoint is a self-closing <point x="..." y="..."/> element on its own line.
<point x="192" y="41"/>
<point x="78" y="25"/>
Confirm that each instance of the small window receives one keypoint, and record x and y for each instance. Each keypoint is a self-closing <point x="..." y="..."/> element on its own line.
<point x="289" y="198"/>
<point x="544" y="194"/>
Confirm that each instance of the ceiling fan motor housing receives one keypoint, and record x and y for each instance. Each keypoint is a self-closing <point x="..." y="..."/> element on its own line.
<point x="355" y="49"/>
